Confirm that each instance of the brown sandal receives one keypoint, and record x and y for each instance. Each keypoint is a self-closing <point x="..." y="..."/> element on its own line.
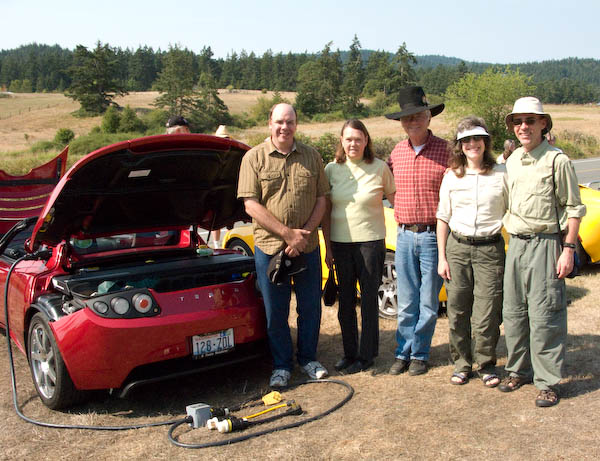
<point x="546" y="398"/>
<point x="512" y="383"/>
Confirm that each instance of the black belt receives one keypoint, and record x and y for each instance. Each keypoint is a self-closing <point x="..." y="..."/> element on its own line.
<point x="418" y="227"/>
<point x="476" y="240"/>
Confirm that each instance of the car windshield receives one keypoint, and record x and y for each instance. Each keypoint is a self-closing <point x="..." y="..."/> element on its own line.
<point x="124" y="241"/>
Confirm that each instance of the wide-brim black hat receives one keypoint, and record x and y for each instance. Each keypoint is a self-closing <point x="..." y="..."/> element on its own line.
<point x="412" y="100"/>
<point x="282" y="266"/>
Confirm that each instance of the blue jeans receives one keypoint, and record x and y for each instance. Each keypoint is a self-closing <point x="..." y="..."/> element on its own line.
<point x="418" y="293"/>
<point x="307" y="287"/>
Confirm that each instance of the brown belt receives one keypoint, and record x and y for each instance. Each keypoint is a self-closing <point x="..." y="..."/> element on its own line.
<point x="418" y="227"/>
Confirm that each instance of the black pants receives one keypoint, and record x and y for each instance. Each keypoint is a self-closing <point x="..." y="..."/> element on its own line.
<point x="362" y="262"/>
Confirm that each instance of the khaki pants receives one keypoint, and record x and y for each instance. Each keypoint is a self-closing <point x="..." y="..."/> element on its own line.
<point x="474" y="303"/>
<point x="535" y="310"/>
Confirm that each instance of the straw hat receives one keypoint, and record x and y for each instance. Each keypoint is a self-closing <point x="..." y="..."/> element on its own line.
<point x="222" y="132"/>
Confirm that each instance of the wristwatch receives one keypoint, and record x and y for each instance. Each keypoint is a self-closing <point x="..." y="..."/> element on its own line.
<point x="569" y="245"/>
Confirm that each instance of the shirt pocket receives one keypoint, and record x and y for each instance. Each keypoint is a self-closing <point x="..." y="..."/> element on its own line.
<point x="270" y="183"/>
<point x="305" y="182"/>
<point x="537" y="199"/>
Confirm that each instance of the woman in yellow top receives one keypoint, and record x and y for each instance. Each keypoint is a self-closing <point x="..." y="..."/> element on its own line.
<point x="354" y="231"/>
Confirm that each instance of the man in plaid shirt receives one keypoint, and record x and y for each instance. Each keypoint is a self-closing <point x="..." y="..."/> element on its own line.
<point x="418" y="163"/>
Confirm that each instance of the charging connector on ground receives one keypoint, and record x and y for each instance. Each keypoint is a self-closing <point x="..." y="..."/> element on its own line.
<point x="200" y="413"/>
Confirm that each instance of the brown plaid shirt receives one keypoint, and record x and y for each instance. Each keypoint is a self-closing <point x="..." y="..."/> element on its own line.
<point x="286" y="185"/>
<point x="418" y="179"/>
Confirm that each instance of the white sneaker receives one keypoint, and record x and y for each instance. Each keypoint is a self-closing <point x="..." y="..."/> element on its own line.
<point x="315" y="370"/>
<point x="279" y="378"/>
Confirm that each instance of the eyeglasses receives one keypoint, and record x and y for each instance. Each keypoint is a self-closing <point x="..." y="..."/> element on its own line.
<point x="468" y="139"/>
<point x="527" y="121"/>
<point x="415" y="117"/>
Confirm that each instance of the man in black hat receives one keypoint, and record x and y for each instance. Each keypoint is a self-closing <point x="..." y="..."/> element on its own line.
<point x="418" y="163"/>
<point x="178" y="125"/>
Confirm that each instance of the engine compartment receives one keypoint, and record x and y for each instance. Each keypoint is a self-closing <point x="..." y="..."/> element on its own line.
<point x="161" y="276"/>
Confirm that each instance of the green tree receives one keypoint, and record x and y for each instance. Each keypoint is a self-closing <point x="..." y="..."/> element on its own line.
<point x="207" y="110"/>
<point x="319" y="83"/>
<point x="489" y="95"/>
<point x="403" y="64"/>
<point x="93" y="78"/>
<point x="353" y="80"/>
<point x="379" y="74"/>
<point x="176" y="81"/>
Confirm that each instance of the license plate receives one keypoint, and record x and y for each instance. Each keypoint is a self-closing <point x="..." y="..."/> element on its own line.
<point x="215" y="343"/>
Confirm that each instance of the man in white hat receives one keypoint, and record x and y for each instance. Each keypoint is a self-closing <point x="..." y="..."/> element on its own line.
<point x="543" y="190"/>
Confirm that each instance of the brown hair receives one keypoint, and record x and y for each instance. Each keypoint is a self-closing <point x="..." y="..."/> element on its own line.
<point x="369" y="155"/>
<point x="458" y="160"/>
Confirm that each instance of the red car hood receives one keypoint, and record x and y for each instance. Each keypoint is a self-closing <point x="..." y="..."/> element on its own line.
<point x="157" y="182"/>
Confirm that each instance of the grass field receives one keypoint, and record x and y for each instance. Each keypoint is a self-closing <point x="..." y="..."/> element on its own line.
<point x="26" y="118"/>
<point x="389" y="417"/>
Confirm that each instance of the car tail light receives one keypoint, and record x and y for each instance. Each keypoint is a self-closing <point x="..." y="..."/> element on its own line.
<point x="119" y="305"/>
<point x="100" y="307"/>
<point x="142" y="302"/>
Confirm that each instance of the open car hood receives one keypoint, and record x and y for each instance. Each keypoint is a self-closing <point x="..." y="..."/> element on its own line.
<point x="156" y="182"/>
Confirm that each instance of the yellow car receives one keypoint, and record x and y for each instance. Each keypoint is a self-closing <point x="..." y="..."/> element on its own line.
<point x="241" y="239"/>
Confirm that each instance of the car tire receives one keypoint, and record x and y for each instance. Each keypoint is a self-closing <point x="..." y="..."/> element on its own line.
<point x="239" y="245"/>
<point x="387" y="295"/>
<point x="48" y="371"/>
<point x="582" y="255"/>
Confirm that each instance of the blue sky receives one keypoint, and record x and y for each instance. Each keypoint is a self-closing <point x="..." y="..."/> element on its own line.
<point x="507" y="31"/>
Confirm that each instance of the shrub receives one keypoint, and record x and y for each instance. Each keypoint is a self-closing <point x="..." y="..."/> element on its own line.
<point x="259" y="113"/>
<point x="578" y="145"/>
<point x="85" y="144"/>
<point x="382" y="147"/>
<point x="43" y="146"/>
<point x="63" y="137"/>
<point x="329" y="117"/>
<point x="111" y="120"/>
<point x="327" y="145"/>
<point x="130" y="122"/>
<point x="155" y="121"/>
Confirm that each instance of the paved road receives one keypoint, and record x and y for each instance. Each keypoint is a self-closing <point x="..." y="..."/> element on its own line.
<point x="587" y="170"/>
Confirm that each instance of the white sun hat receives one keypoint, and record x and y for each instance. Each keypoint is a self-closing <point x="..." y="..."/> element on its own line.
<point x="475" y="131"/>
<point x="529" y="105"/>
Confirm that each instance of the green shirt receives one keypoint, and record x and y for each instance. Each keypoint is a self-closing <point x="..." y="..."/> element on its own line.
<point x="532" y="201"/>
<point x="357" y="193"/>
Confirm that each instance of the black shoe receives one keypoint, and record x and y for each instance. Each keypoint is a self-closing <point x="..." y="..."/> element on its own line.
<point x="398" y="367"/>
<point x="512" y="383"/>
<point x="358" y="366"/>
<point x="417" y="367"/>
<point x="344" y="363"/>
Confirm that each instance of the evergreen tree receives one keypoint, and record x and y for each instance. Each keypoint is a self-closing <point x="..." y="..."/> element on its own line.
<point x="176" y="81"/>
<point x="353" y="80"/>
<point x="93" y="82"/>
<point x="207" y="110"/>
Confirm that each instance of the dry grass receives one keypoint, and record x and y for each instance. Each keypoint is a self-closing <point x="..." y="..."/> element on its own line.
<point x="27" y="118"/>
<point x="390" y="417"/>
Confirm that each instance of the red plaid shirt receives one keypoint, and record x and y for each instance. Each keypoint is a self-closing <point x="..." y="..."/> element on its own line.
<point x="418" y="179"/>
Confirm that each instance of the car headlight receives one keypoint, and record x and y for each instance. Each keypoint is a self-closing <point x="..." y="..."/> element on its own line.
<point x="142" y="302"/>
<point x="119" y="305"/>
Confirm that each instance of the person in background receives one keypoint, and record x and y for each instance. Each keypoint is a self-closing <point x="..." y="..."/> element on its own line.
<point x="540" y="253"/>
<point x="550" y="138"/>
<point x="284" y="188"/>
<point x="354" y="232"/>
<point x="418" y="164"/>
<point x="509" y="147"/>
<point x="178" y="125"/>
<point x="473" y="200"/>
<point x="221" y="133"/>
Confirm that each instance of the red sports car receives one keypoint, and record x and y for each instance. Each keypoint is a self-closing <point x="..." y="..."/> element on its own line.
<point x="118" y="289"/>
